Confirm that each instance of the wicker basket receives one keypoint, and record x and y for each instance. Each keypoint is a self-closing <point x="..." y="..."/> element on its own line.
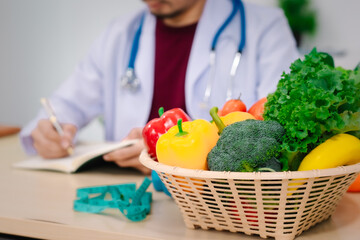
<point x="280" y="205"/>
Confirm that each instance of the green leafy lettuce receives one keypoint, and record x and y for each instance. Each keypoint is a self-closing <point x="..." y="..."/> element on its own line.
<point x="314" y="102"/>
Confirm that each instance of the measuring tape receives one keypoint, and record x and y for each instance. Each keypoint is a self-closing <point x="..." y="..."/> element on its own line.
<point x="133" y="203"/>
<point x="158" y="184"/>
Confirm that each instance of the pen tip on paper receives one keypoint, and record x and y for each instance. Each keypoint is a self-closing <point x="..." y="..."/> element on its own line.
<point x="70" y="151"/>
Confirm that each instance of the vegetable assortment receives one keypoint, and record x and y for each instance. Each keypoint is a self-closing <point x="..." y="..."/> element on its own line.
<point x="311" y="121"/>
<point x="314" y="102"/>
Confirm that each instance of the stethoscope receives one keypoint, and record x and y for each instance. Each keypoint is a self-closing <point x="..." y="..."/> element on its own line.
<point x="131" y="82"/>
<point x="237" y="6"/>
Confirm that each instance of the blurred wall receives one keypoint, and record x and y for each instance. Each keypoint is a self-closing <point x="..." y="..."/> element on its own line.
<point x="338" y="31"/>
<point x="41" y="42"/>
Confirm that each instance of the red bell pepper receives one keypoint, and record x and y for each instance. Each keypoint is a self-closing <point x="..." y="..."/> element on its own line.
<point x="158" y="126"/>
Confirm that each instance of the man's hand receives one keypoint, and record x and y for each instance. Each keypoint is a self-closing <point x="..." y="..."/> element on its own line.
<point x="47" y="141"/>
<point x="129" y="156"/>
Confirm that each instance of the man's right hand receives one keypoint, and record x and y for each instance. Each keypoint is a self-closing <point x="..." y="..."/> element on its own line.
<point x="47" y="141"/>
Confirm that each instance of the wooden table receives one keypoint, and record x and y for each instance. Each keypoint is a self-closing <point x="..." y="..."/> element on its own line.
<point x="6" y="130"/>
<point x="39" y="204"/>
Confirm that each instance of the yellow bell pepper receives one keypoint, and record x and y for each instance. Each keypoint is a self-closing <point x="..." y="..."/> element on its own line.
<point x="341" y="149"/>
<point x="187" y="144"/>
<point x="230" y="118"/>
<point x="236" y="117"/>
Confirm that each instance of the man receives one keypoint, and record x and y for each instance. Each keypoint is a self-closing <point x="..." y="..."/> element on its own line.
<point x="172" y="64"/>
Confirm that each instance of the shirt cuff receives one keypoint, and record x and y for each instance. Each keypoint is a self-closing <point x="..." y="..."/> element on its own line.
<point x="26" y="140"/>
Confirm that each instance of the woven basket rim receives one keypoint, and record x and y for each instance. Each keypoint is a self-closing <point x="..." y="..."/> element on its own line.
<point x="147" y="161"/>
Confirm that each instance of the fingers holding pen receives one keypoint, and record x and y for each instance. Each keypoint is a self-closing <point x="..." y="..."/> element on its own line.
<point x="68" y="137"/>
<point x="48" y="142"/>
<point x="46" y="130"/>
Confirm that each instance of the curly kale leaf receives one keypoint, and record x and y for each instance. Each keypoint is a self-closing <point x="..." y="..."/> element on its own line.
<point x="314" y="102"/>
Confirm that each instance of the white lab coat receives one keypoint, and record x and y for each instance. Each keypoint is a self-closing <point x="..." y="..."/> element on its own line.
<point x="94" y="87"/>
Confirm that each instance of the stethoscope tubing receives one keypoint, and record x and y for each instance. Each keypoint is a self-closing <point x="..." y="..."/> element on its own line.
<point x="135" y="44"/>
<point x="129" y="80"/>
<point x="237" y="6"/>
<point x="212" y="61"/>
<point x="224" y="25"/>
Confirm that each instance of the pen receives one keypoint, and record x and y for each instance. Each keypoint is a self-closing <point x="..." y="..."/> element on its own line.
<point x="52" y="117"/>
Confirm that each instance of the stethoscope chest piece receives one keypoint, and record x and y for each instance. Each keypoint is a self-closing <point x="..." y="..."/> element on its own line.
<point x="130" y="81"/>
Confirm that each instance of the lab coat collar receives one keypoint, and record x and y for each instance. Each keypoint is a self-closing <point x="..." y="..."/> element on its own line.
<point x="209" y="23"/>
<point x="144" y="65"/>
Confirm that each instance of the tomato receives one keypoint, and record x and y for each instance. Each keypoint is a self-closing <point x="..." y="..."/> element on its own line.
<point x="355" y="186"/>
<point x="232" y="105"/>
<point x="257" y="109"/>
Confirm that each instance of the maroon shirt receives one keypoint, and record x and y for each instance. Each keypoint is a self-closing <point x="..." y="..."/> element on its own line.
<point x="172" y="50"/>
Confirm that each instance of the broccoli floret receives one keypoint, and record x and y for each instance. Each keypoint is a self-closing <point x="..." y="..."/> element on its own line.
<point x="246" y="146"/>
<point x="273" y="165"/>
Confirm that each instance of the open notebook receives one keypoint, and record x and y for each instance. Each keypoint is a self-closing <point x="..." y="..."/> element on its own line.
<point x="84" y="154"/>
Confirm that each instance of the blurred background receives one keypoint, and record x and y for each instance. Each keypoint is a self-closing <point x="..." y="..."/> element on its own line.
<point x="41" y="41"/>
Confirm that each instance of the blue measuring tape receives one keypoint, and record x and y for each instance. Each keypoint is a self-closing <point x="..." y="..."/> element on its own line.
<point x="158" y="184"/>
<point x="134" y="204"/>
